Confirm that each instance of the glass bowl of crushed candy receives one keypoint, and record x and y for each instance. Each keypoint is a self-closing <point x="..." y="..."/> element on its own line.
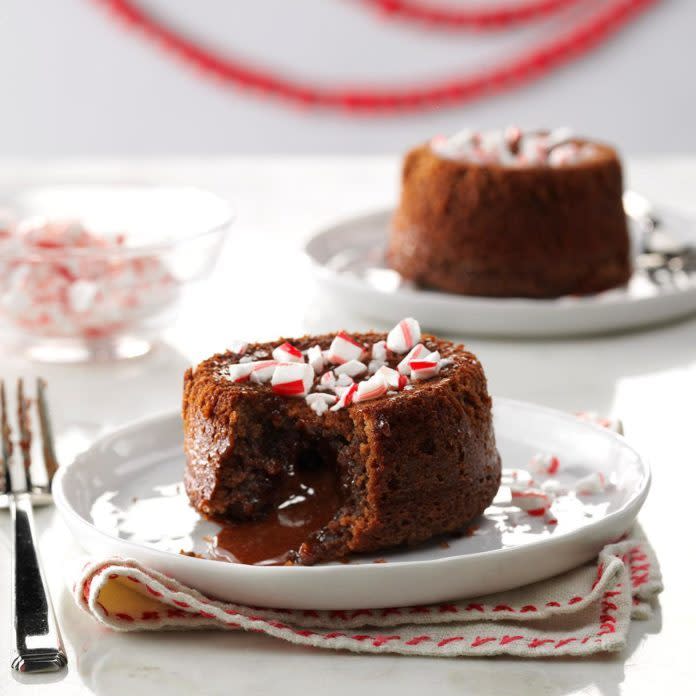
<point x="94" y="272"/>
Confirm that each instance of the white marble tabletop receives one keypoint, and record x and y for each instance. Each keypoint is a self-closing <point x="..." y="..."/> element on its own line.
<point x="261" y="289"/>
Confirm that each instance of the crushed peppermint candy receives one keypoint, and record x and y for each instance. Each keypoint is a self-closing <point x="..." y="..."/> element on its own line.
<point x="345" y="398"/>
<point x="239" y="347"/>
<point x="327" y="381"/>
<point x="374" y="365"/>
<point x="319" y="403"/>
<point x="315" y="357"/>
<point x="288" y="353"/>
<point x="292" y="379"/>
<point x="612" y="424"/>
<point x="379" y="351"/>
<point x="404" y="336"/>
<point x="423" y="369"/>
<point x="590" y="484"/>
<point x="553" y="487"/>
<point x="352" y="368"/>
<point x="418" y="351"/>
<point x="239" y="372"/>
<point x="544" y="463"/>
<point x="515" y="148"/>
<point x="343" y="349"/>
<point x="393" y="378"/>
<point x="371" y="388"/>
<point x="534" y="502"/>
<point x="262" y="371"/>
<point x="348" y="372"/>
<point x="59" y="279"/>
<point x="344" y="380"/>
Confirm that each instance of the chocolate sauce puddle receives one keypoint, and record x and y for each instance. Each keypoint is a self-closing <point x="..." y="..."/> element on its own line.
<point x="306" y="501"/>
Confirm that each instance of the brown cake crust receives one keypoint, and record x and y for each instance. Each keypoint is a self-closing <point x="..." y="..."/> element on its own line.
<point x="411" y="465"/>
<point x="493" y="230"/>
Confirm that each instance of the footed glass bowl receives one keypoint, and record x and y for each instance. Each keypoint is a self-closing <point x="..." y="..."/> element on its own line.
<point x="95" y="272"/>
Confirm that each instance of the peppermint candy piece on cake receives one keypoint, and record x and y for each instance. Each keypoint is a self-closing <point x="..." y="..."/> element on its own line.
<point x="346" y="397"/>
<point x="292" y="379"/>
<point x="343" y="349"/>
<point x="352" y="368"/>
<point x="371" y="388"/>
<point x="418" y="351"/>
<point x="404" y="336"/>
<point x="239" y="372"/>
<point x="374" y="365"/>
<point x="238" y="347"/>
<point x="315" y="357"/>
<point x="393" y="378"/>
<point x="344" y="380"/>
<point x="288" y="353"/>
<point x="327" y="381"/>
<point x="564" y="154"/>
<point x="379" y="351"/>
<point x="319" y="403"/>
<point x="262" y="371"/>
<point x="424" y="369"/>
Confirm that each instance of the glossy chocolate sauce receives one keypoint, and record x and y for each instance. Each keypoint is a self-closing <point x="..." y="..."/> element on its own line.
<point x="306" y="501"/>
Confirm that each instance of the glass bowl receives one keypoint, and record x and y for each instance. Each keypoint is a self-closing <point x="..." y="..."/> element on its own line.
<point x="95" y="272"/>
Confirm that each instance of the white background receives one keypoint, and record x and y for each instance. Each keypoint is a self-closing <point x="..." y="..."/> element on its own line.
<point x="75" y="82"/>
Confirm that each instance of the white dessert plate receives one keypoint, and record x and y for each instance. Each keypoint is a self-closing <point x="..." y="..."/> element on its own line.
<point x="124" y="497"/>
<point x="348" y="262"/>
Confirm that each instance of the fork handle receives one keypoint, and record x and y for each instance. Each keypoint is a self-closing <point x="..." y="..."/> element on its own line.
<point x="38" y="644"/>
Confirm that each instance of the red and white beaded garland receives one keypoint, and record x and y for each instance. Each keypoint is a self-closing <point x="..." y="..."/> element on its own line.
<point x="590" y="29"/>
<point x="348" y="372"/>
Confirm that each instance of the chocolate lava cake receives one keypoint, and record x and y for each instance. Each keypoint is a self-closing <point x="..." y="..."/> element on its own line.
<point x="512" y="214"/>
<point x="314" y="448"/>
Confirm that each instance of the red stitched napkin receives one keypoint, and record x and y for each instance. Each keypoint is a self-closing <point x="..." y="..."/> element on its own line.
<point x="584" y="611"/>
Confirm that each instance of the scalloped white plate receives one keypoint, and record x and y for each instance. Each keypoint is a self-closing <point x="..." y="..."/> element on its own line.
<point x="124" y="497"/>
<point x="348" y="262"/>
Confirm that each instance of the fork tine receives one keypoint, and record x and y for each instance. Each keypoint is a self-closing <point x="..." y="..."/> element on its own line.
<point x="24" y="424"/>
<point x="6" y="441"/>
<point x="47" y="442"/>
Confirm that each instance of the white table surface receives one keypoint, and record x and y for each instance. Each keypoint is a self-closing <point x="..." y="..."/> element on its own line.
<point x="261" y="289"/>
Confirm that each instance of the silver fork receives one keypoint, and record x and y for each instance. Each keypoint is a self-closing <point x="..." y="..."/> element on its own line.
<point x="38" y="643"/>
<point x="665" y="260"/>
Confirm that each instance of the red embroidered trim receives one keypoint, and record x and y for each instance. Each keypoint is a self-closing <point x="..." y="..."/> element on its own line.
<point x="500" y="17"/>
<point x="637" y="561"/>
<point x="529" y="66"/>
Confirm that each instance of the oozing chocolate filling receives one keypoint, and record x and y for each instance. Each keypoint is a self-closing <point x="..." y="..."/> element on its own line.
<point x="305" y="497"/>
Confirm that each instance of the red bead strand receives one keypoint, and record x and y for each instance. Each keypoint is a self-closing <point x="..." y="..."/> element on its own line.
<point x="528" y="66"/>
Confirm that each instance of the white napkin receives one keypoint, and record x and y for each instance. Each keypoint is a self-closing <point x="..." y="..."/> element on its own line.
<point x="584" y="611"/>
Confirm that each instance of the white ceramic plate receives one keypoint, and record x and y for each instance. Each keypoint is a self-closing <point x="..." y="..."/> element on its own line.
<point x="348" y="262"/>
<point x="124" y="497"/>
